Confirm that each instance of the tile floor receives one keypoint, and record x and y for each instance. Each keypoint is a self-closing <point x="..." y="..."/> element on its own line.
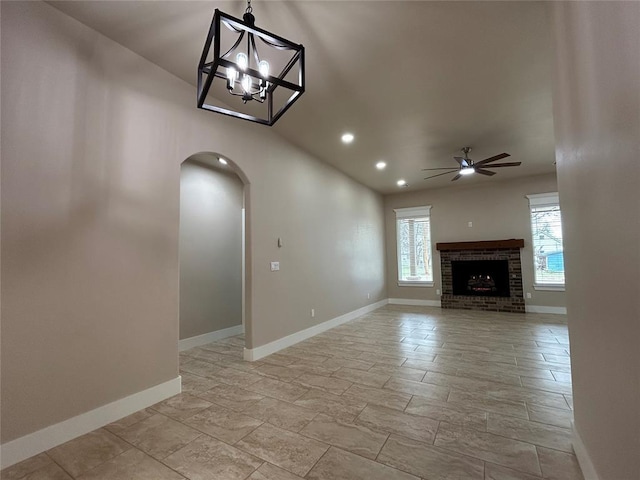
<point x="401" y="393"/>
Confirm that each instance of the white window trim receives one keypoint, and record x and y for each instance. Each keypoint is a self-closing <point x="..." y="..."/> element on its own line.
<point x="410" y="212"/>
<point x="540" y="200"/>
<point x="549" y="287"/>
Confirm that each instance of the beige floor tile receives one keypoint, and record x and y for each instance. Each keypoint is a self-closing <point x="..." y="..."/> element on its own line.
<point x="271" y="472"/>
<point x="562" y="377"/>
<point x="443" y="411"/>
<point x="392" y="360"/>
<point x="132" y="464"/>
<point x="393" y="421"/>
<point x="223" y="424"/>
<point x="435" y="392"/>
<point x="559" y="465"/>
<point x="19" y="470"/>
<point x="489" y="447"/>
<point x="287" y="416"/>
<point x="348" y="436"/>
<point x="277" y="389"/>
<point x="550" y="416"/>
<point x="288" y="450"/>
<point x="159" y="436"/>
<point x="547" y="385"/>
<point x="341" y="407"/>
<point x="318" y="369"/>
<point x="407" y="373"/>
<point x="234" y="398"/>
<point x="278" y="359"/>
<point x="347" y="363"/>
<point x="482" y="402"/>
<point x="362" y="377"/>
<point x="119" y="425"/>
<point x="379" y="396"/>
<point x="199" y="367"/>
<point x="569" y="400"/>
<point x="235" y="377"/>
<point x="278" y="372"/>
<point x="195" y="384"/>
<point x="207" y="458"/>
<point x="182" y="406"/>
<point x="330" y="384"/>
<point x="531" y="432"/>
<point x="338" y="464"/>
<point x="88" y="451"/>
<point x="429" y="462"/>
<point x="498" y="472"/>
<point x="40" y="467"/>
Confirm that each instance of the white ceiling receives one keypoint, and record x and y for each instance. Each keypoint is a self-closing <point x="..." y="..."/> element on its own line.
<point x="415" y="81"/>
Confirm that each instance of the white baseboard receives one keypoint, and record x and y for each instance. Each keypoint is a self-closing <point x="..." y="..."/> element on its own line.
<point x="257" y="353"/>
<point x="199" y="340"/>
<point x="588" y="470"/>
<point x="412" y="301"/>
<point x="544" y="309"/>
<point x="37" y="442"/>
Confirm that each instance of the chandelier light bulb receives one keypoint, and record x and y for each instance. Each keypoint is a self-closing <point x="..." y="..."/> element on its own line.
<point x="263" y="67"/>
<point x="231" y="77"/>
<point x="242" y="61"/>
<point x="466" y="171"/>
<point x="246" y="83"/>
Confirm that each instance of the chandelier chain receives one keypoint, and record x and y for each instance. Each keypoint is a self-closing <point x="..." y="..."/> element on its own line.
<point x="249" y="7"/>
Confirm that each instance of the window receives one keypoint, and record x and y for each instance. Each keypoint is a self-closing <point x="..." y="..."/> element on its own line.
<point x="413" y="228"/>
<point x="546" y="231"/>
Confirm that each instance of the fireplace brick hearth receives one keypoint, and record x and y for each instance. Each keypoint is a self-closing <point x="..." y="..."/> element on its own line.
<point x="485" y="250"/>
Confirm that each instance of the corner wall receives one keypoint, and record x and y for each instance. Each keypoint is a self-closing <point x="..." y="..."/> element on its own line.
<point x="497" y="209"/>
<point x="597" y="128"/>
<point x="92" y="140"/>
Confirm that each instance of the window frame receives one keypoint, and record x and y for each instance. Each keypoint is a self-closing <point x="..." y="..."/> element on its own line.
<point x="549" y="199"/>
<point x="403" y="214"/>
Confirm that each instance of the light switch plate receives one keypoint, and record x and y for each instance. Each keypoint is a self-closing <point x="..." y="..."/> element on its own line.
<point x="275" y="266"/>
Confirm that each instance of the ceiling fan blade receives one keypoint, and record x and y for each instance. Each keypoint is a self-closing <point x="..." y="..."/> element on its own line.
<point x="508" y="164"/>
<point x="492" y="159"/>
<point x="456" y="177"/>
<point x="443" y="168"/>
<point x="482" y="171"/>
<point x="440" y="174"/>
<point x="461" y="161"/>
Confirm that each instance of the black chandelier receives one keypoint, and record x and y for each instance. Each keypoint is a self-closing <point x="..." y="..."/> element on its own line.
<point x="258" y="86"/>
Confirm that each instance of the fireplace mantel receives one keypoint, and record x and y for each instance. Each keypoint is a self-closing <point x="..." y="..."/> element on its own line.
<point x="482" y="245"/>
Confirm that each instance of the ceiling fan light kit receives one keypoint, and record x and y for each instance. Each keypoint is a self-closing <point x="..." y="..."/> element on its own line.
<point x="466" y="166"/>
<point x="262" y="78"/>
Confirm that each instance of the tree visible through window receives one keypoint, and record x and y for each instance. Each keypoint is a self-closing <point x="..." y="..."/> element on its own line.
<point x="546" y="232"/>
<point x="414" y="245"/>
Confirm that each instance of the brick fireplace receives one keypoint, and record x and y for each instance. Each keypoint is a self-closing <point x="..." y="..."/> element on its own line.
<point x="508" y="298"/>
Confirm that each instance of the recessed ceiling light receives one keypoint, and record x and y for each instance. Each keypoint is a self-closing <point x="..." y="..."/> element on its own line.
<point x="222" y="160"/>
<point x="380" y="165"/>
<point x="402" y="183"/>
<point x="347" y="137"/>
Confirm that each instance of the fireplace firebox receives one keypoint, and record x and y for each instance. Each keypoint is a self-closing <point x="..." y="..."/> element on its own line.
<point x="483" y="275"/>
<point x="485" y="278"/>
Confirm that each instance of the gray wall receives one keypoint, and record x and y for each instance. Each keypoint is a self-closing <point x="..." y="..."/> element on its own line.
<point x="210" y="249"/>
<point x="498" y="210"/>
<point x="597" y="124"/>
<point x="92" y="142"/>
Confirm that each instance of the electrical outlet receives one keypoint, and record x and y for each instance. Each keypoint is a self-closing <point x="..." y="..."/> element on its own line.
<point x="368" y="296"/>
<point x="275" y="266"/>
<point x="313" y="312"/>
<point x="438" y="291"/>
<point x="528" y="295"/>
<point x="470" y="224"/>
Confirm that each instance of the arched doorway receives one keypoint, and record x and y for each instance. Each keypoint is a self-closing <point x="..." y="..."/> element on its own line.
<point x="214" y="237"/>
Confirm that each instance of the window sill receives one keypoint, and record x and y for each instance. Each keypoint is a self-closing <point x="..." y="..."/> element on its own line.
<point x="415" y="284"/>
<point x="549" y="288"/>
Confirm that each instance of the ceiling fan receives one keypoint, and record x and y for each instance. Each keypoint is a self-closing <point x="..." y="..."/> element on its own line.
<point x="466" y="166"/>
